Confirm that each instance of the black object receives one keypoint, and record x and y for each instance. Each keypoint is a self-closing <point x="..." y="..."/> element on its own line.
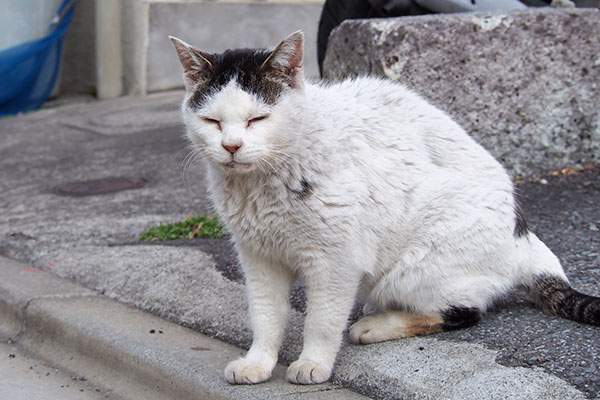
<point x="336" y="11"/>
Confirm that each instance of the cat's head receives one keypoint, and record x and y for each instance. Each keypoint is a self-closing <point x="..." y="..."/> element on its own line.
<point x="237" y="103"/>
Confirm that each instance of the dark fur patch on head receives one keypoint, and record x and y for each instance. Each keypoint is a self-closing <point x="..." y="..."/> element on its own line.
<point x="460" y="317"/>
<point x="243" y="65"/>
<point x="521" y="227"/>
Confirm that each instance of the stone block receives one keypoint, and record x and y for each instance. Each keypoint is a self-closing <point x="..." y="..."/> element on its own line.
<point x="524" y="84"/>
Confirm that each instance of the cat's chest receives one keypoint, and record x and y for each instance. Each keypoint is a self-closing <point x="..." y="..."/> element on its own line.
<point x="267" y="218"/>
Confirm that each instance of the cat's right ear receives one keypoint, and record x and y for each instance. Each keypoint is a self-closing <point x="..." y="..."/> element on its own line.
<point x="197" y="66"/>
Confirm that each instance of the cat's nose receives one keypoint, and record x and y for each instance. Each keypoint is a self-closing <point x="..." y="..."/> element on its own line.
<point x="232" y="148"/>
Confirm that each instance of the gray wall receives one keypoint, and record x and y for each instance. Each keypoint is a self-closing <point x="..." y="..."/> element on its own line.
<point x="148" y="60"/>
<point x="214" y="27"/>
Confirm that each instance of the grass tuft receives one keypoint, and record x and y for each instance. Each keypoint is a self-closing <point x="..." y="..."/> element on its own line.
<point x="200" y="226"/>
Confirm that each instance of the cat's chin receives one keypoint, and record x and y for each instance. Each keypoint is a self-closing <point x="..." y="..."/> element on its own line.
<point x="236" y="166"/>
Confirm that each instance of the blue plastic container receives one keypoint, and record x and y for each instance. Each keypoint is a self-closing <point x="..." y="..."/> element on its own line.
<point x="28" y="71"/>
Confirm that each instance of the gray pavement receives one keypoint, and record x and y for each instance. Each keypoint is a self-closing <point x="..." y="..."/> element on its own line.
<point x="26" y="378"/>
<point x="195" y="288"/>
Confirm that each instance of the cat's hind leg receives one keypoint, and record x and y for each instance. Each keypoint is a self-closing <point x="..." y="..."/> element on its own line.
<point x="392" y="325"/>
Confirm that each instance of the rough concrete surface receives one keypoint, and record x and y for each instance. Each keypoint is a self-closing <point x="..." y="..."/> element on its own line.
<point x="427" y="368"/>
<point x="92" y="240"/>
<point x="525" y="84"/>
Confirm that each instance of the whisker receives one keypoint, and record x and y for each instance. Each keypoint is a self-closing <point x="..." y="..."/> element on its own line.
<point x="194" y="156"/>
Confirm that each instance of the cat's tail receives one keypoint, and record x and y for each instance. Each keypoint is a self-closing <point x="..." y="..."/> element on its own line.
<point x="546" y="282"/>
<point x="556" y="296"/>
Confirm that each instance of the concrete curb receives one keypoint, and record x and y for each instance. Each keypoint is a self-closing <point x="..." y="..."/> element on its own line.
<point x="117" y="346"/>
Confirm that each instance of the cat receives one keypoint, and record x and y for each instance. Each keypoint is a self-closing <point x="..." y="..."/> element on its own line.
<point x="357" y="188"/>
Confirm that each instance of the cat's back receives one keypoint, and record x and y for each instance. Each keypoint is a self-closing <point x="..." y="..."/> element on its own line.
<point x="383" y="110"/>
<point x="365" y="96"/>
<point x="396" y="142"/>
<point x="396" y="123"/>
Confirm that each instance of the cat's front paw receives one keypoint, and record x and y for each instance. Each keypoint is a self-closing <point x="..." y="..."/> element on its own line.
<point x="306" y="372"/>
<point x="242" y="371"/>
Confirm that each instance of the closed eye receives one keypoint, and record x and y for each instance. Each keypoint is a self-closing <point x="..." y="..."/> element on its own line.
<point x="212" y="121"/>
<point x="256" y="119"/>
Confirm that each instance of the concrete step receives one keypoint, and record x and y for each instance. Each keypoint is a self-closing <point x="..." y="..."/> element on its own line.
<point x="121" y="349"/>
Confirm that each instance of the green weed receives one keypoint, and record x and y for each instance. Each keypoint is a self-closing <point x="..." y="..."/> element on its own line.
<point x="200" y="226"/>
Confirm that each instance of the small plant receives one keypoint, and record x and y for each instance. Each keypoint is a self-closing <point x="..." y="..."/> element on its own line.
<point x="200" y="226"/>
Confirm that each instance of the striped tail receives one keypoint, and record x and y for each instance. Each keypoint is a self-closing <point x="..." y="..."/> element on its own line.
<point x="557" y="297"/>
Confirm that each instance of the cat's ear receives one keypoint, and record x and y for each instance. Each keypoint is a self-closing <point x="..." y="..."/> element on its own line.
<point x="286" y="61"/>
<point x="197" y="66"/>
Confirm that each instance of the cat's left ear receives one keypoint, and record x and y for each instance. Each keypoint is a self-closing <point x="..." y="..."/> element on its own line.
<point x="197" y="66"/>
<point x="286" y="61"/>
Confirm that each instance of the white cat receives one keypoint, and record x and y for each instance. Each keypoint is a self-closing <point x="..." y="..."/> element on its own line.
<point x="359" y="187"/>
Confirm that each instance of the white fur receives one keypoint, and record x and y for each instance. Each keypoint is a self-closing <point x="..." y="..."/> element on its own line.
<point x="405" y="209"/>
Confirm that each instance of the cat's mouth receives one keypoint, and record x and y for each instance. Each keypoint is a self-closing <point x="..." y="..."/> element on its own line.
<point x="237" y="165"/>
